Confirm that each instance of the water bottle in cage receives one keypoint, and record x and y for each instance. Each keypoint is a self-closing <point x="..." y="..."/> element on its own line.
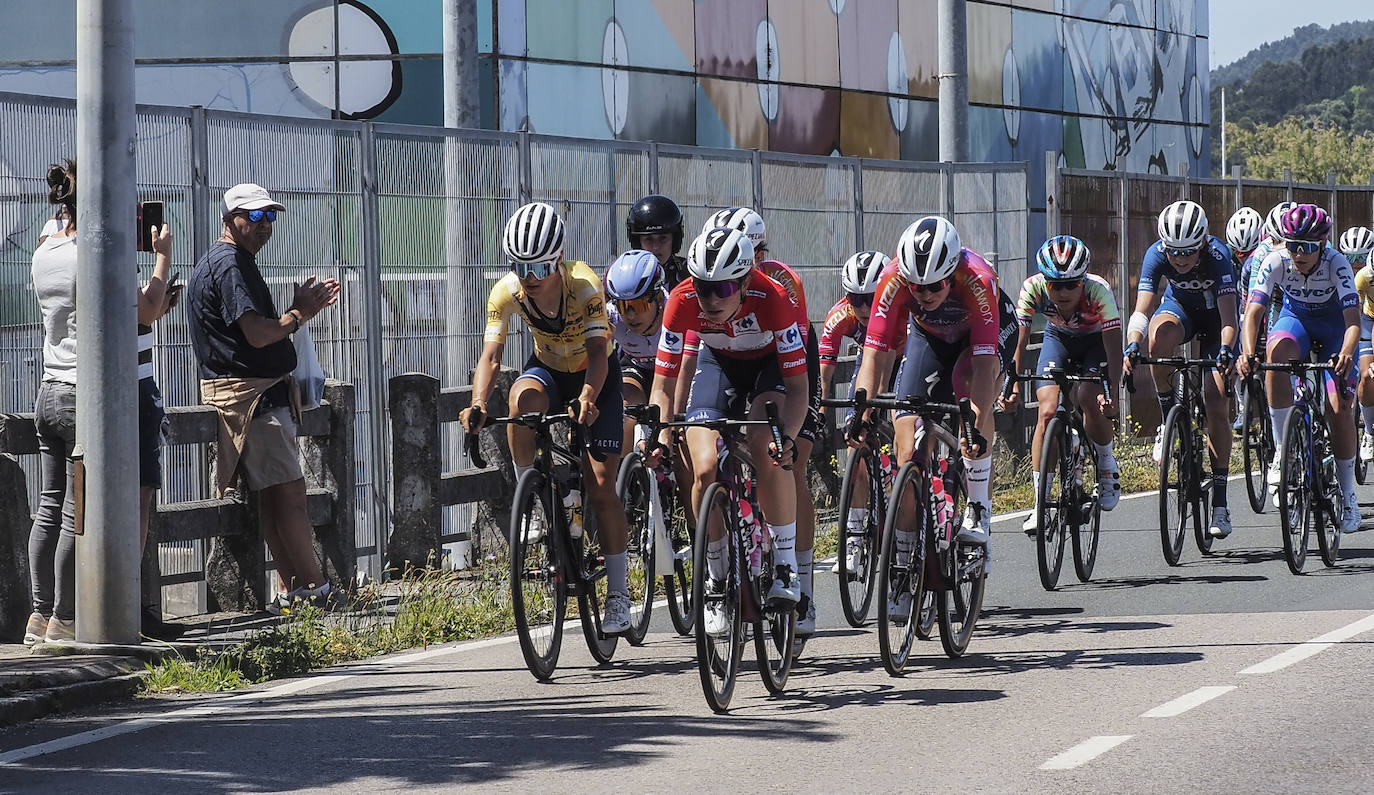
<point x="942" y="501"/>
<point x="756" y="534"/>
<point x="1076" y="456"/>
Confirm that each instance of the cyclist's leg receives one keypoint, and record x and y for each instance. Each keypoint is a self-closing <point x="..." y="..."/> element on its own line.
<point x="605" y="442"/>
<point x="1288" y="340"/>
<point x="1328" y="336"/>
<point x="1366" y="379"/>
<point x="1053" y="353"/>
<point x="1169" y="328"/>
<point x="536" y="389"/>
<point x="635" y="385"/>
<point x="776" y="491"/>
<point x="1219" y="437"/>
<point x="977" y="471"/>
<point x="920" y="367"/>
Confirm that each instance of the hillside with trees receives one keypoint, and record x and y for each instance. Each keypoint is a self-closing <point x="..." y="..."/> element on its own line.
<point x="1290" y="48"/>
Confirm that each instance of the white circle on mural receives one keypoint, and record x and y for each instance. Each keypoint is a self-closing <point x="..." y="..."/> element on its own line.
<point x="1011" y="96"/>
<point x="837" y="6"/>
<point x="615" y="83"/>
<point x="1193" y="102"/>
<point x="897" y="83"/>
<point x="365" y="87"/>
<point x="766" y="53"/>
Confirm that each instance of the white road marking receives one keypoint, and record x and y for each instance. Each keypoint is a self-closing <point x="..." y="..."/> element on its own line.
<point x="1134" y="495"/>
<point x="1085" y="752"/>
<point x="1304" y="650"/>
<point x="1187" y="701"/>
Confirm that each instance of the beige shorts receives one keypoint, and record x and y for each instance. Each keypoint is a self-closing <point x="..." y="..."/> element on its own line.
<point x="270" y="455"/>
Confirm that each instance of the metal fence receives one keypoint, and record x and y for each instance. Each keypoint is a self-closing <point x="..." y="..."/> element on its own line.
<point x="408" y="219"/>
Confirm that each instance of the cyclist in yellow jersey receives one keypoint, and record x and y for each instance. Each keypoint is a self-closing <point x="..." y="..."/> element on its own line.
<point x="562" y="303"/>
<point x="1356" y="243"/>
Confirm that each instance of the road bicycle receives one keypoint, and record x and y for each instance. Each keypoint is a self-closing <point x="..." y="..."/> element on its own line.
<point x="868" y="476"/>
<point x="1257" y="441"/>
<point x="1185" y="474"/>
<point x="633" y="484"/>
<point x="1068" y="503"/>
<point x="731" y="503"/>
<point x="549" y="563"/>
<point x="933" y="487"/>
<point x="1309" y="489"/>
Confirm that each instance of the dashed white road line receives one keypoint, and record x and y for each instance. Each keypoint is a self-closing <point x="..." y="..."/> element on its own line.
<point x="1304" y="650"/>
<point x="1187" y="701"/>
<point x="1085" y="752"/>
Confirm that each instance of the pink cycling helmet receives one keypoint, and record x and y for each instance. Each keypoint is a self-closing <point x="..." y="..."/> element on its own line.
<point x="1305" y="222"/>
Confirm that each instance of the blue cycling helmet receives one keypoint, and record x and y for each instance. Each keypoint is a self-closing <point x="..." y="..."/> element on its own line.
<point x="634" y="274"/>
<point x="1063" y="258"/>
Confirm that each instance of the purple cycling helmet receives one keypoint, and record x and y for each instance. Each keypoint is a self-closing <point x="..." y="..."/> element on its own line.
<point x="1305" y="222"/>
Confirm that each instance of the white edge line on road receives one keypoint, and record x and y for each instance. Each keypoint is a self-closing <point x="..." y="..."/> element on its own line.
<point x="1002" y="517"/>
<point x="221" y="704"/>
<point x="1304" y="650"/>
<point x="1187" y="701"/>
<point x="1085" y="752"/>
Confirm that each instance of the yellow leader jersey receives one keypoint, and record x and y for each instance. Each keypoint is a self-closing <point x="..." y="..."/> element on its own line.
<point x="560" y="342"/>
<point x="1364" y="285"/>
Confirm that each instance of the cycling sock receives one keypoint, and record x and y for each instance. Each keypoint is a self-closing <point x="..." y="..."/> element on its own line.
<point x="1345" y="471"/>
<point x="1105" y="455"/>
<point x="715" y="558"/>
<point x="906" y="543"/>
<point x="855" y="519"/>
<point x="1219" y="476"/>
<point x="1035" y="486"/>
<point x="1166" y="402"/>
<point x="784" y="544"/>
<point x="1278" y="417"/>
<point x="804" y="558"/>
<point x="615" y="573"/>
<point x="1368" y="412"/>
<point x="521" y="470"/>
<point x="978" y="472"/>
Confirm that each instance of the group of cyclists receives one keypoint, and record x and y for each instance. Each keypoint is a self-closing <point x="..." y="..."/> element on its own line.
<point x="724" y="331"/>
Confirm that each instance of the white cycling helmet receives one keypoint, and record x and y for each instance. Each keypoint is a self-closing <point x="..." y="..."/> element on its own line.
<point x="1244" y="229"/>
<point x="1273" y="221"/>
<point x="1183" y="224"/>
<point x="534" y="234"/>
<point x="928" y="250"/>
<point x="861" y="271"/>
<point x="743" y="219"/>
<point x="1357" y="241"/>
<point x="721" y="254"/>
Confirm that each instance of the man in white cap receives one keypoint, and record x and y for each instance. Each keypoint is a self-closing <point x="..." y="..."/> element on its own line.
<point x="246" y="357"/>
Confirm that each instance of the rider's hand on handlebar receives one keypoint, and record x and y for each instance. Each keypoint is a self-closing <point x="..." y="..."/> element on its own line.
<point x="1008" y="404"/>
<point x="1130" y="357"/>
<point x="1246" y="365"/>
<point x="1225" y="358"/>
<point x="785" y="457"/>
<point x="472" y="418"/>
<point x="1343" y="363"/>
<point x="584" y="410"/>
<point x="1110" y="408"/>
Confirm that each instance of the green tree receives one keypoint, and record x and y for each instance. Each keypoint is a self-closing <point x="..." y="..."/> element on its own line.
<point x="1311" y="150"/>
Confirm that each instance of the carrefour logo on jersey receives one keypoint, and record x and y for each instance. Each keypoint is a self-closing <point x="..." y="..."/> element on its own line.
<point x="789" y="340"/>
<point x="671" y="341"/>
<point x="745" y="325"/>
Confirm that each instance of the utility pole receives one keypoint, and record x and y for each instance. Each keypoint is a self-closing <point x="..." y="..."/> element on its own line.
<point x="953" y="67"/>
<point x="1223" y="131"/>
<point x="107" y="579"/>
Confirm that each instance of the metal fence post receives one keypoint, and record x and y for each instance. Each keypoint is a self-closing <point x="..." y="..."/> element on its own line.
<point x="1236" y="173"/>
<point x="947" y="198"/>
<point x="526" y="168"/>
<point x="1334" y="204"/>
<point x="1288" y="188"/>
<point x="756" y="163"/>
<point x="201" y="230"/>
<point x="653" y="166"/>
<point x="370" y="229"/>
<point x="1123" y="269"/>
<point x="1052" y="226"/>
<point x="859" y="205"/>
<point x="611" y="237"/>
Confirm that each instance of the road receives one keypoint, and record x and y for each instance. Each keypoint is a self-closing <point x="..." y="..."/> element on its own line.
<point x="1227" y="673"/>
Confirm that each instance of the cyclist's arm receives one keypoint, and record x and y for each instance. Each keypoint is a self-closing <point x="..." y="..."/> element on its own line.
<point x="795" y="404"/>
<point x="1352" y="331"/>
<point x="1146" y="302"/>
<point x="1023" y="335"/>
<point x="1111" y="342"/>
<point x="1254" y="318"/>
<point x="1226" y="305"/>
<point x="597" y="367"/>
<point x="483" y="376"/>
<point x="982" y="389"/>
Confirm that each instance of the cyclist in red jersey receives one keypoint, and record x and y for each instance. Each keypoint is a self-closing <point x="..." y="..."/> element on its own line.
<point x="960" y="344"/>
<point x="751" y="353"/>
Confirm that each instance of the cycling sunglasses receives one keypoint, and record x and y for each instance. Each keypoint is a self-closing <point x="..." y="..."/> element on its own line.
<point x="1303" y="246"/>
<point x="539" y="270"/>
<point x="930" y="288"/>
<point x="640" y="306"/>
<point x="1181" y="252"/>
<point x="718" y="289"/>
<point x="859" y="299"/>
<point x="257" y="216"/>
<point x="1063" y="284"/>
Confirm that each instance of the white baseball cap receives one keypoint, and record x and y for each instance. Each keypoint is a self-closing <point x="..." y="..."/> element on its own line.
<point x="248" y="196"/>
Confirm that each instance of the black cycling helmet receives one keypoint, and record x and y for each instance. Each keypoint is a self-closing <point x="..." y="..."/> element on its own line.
<point x="654" y="214"/>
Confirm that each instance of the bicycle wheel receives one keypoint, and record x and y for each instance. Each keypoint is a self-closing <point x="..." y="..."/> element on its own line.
<point x="1328" y="537"/>
<point x="632" y="484"/>
<point x="1175" y="504"/>
<point x="1200" y="486"/>
<point x="965" y="572"/>
<point x="925" y="624"/>
<point x="592" y="597"/>
<point x="774" y="632"/>
<point x="1257" y="443"/>
<point x="677" y="584"/>
<point x="856" y="586"/>
<point x="718" y="656"/>
<point x="1361" y="465"/>
<point x="539" y="594"/>
<point x="1055" y="512"/>
<point x="1295" y="489"/>
<point x="1087" y="531"/>
<point x="901" y="577"/>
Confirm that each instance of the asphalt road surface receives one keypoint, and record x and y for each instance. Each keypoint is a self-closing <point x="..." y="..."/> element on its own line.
<point x="1226" y="673"/>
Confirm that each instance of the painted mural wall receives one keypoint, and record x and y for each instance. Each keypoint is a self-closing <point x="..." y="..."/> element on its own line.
<point x="1108" y="84"/>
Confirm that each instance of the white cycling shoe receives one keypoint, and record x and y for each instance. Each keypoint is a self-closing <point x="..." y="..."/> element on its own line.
<point x="1157" y="452"/>
<point x="1367" y="447"/>
<point x="1274" y="476"/>
<point x="1221" y="522"/>
<point x="616" y="619"/>
<point x="717" y="619"/>
<point x="1351" y="516"/>
<point x="976" y="528"/>
<point x="1032" y="522"/>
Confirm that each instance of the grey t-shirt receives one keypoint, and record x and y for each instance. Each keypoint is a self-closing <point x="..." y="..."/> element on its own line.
<point x="54" y="280"/>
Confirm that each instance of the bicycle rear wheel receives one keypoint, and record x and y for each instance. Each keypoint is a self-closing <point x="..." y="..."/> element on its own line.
<point x="632" y="484"/>
<point x="1328" y="537"/>
<point x="901" y="577"/>
<point x="774" y="633"/>
<point x="1295" y="489"/>
<point x="1257" y="443"/>
<point x="1175" y="505"/>
<point x="1088" y="531"/>
<point x="965" y="572"/>
<point x="925" y="624"/>
<point x="856" y="586"/>
<point x="539" y="594"/>
<point x="1200" y="486"/>
<point x="592" y="599"/>
<point x="718" y="656"/>
<point x="1055" y="509"/>
<point x="1361" y="465"/>
<point x="677" y="584"/>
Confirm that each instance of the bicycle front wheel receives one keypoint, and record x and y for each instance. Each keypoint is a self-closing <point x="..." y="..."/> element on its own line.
<point x="1175" y="503"/>
<point x="965" y="571"/>
<point x="677" y="583"/>
<point x="1054" y="514"/>
<point x="1328" y="537"/>
<point x="719" y="642"/>
<point x="1361" y="465"/>
<point x="774" y="633"/>
<point x="1295" y="489"/>
<point x="632" y="484"/>
<point x="539" y="595"/>
<point x="901" y="573"/>
<point x="592" y="599"/>
<point x="1088" y="530"/>
<point x="1257" y="444"/>
<point x="856" y="582"/>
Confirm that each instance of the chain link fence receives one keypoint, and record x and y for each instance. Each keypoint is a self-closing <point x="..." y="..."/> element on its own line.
<point x="409" y="220"/>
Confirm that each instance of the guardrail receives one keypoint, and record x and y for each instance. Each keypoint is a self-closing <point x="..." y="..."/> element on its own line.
<point x="236" y="569"/>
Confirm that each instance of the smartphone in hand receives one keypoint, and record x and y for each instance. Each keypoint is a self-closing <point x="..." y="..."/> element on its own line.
<point x="150" y="216"/>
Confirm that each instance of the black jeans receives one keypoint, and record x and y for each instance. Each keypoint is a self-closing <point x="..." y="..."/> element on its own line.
<point x="52" y="541"/>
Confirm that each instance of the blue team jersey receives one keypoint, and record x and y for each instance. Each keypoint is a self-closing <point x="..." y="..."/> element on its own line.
<point x="1199" y="288"/>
